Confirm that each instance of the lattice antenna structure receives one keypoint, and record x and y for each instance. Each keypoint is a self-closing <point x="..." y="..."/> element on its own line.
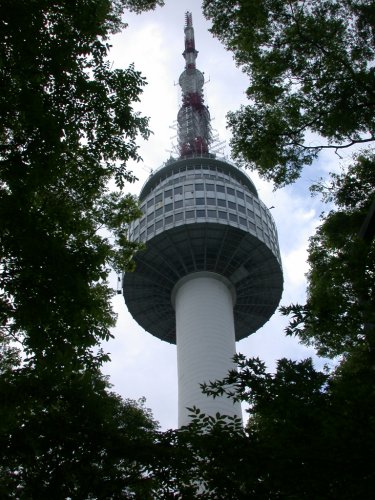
<point x="194" y="129"/>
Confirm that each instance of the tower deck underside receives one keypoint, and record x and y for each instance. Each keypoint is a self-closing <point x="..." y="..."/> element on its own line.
<point x="203" y="219"/>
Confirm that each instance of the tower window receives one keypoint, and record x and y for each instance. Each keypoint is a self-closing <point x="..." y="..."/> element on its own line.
<point x="199" y="201"/>
<point x="168" y="193"/>
<point x="222" y="215"/>
<point x="168" y="207"/>
<point x="158" y="212"/>
<point x="159" y="198"/>
<point x="201" y="213"/>
<point x="243" y="221"/>
<point x="241" y="209"/>
<point x="178" y="190"/>
<point x="169" y="220"/>
<point x="240" y="195"/>
<point x="159" y="224"/>
<point x="190" y="214"/>
<point x="233" y="217"/>
<point x="179" y="216"/>
<point x="231" y="205"/>
<point x="210" y="187"/>
<point x="199" y="187"/>
<point x="221" y="203"/>
<point x="230" y="190"/>
<point x="178" y="204"/>
<point x="220" y="189"/>
<point x="211" y="201"/>
<point x="211" y="213"/>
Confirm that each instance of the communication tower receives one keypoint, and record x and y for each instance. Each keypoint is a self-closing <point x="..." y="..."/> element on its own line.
<point x="210" y="273"/>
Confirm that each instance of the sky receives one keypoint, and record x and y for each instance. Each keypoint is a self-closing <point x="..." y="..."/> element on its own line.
<point x="142" y="365"/>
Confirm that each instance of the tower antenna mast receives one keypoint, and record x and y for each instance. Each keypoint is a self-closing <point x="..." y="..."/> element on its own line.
<point x="194" y="129"/>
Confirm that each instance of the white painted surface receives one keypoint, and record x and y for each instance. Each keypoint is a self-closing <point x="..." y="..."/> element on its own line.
<point x="205" y="342"/>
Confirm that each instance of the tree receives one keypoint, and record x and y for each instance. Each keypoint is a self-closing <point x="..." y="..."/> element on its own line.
<point x="67" y="128"/>
<point x="339" y="313"/>
<point x="311" y="70"/>
<point x="66" y="436"/>
<point x="310" y="433"/>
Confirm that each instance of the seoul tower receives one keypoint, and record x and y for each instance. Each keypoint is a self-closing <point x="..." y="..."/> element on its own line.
<point x="210" y="272"/>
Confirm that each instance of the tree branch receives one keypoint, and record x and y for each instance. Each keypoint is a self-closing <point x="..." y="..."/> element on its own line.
<point x="333" y="146"/>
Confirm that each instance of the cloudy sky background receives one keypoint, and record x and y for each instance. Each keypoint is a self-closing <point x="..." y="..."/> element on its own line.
<point x="142" y="365"/>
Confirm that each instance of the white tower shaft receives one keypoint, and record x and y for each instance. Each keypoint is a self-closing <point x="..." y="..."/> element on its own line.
<point x="205" y="342"/>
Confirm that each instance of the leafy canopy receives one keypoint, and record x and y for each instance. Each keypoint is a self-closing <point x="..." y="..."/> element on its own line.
<point x="311" y="70"/>
<point x="67" y="132"/>
<point x="339" y="313"/>
<point x="310" y="432"/>
<point x="67" y="126"/>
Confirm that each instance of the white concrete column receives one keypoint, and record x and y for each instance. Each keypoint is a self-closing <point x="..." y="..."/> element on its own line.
<point x="205" y="341"/>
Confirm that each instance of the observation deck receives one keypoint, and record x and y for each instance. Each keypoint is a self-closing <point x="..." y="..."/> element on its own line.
<point x="202" y="214"/>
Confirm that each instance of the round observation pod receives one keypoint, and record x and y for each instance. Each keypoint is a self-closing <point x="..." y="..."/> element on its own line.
<point x="202" y="214"/>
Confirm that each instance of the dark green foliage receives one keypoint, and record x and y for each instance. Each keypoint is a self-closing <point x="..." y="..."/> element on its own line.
<point x="339" y="313"/>
<point x="64" y="436"/>
<point x="67" y="128"/>
<point x="138" y="6"/>
<point x="311" y="71"/>
<point x="310" y="434"/>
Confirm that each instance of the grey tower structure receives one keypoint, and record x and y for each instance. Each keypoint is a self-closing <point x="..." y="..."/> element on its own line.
<point x="210" y="273"/>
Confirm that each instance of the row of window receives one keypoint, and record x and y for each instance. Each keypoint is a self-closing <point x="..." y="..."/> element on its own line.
<point x="196" y="214"/>
<point x="200" y="201"/>
<point x="208" y="202"/>
<point x="190" y="215"/>
<point x="176" y="177"/>
<point x="189" y="190"/>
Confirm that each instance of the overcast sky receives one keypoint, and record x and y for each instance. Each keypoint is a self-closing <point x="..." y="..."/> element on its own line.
<point x="142" y="365"/>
